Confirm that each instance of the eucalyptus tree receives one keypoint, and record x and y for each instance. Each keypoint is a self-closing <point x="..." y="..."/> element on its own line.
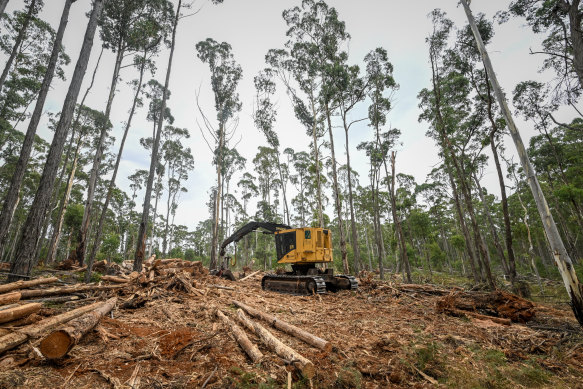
<point x="179" y="161"/>
<point x="264" y="116"/>
<point x="232" y="163"/>
<point x="375" y="161"/>
<point x="529" y="101"/>
<point x="225" y="76"/>
<point x="560" y="21"/>
<point x="248" y="189"/>
<point x="141" y="240"/>
<point x="349" y="90"/>
<point x="86" y="123"/>
<point x="562" y="259"/>
<point x="23" y="85"/>
<point x="379" y="74"/>
<point x="24" y="258"/>
<point x="316" y="37"/>
<point x="20" y="28"/>
<point x="446" y="107"/>
<point x="265" y="162"/>
<point x="300" y="162"/>
<point x="150" y="35"/>
<point x="470" y="57"/>
<point x="3" y="4"/>
<point x="62" y="207"/>
<point x="127" y="26"/>
<point x="11" y="196"/>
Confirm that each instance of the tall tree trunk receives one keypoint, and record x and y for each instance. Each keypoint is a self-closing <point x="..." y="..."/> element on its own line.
<point x="576" y="38"/>
<point x="530" y="245"/>
<point x="495" y="238"/>
<point x="141" y="241"/>
<point x="317" y="160"/>
<point x="3" y="4"/>
<point x="355" y="241"/>
<point x="336" y="191"/>
<point x="166" y="227"/>
<point x="377" y="220"/>
<point x="11" y="195"/>
<point x="560" y="254"/>
<point x="153" y="234"/>
<point x="56" y="235"/>
<point x="19" y="38"/>
<point x="217" y="203"/>
<point x="465" y="232"/>
<point x="396" y="218"/>
<point x="111" y="186"/>
<point x="283" y="189"/>
<point x="27" y="242"/>
<point x="504" y="198"/>
<point x="483" y="252"/>
<point x="450" y="158"/>
<point x="83" y="238"/>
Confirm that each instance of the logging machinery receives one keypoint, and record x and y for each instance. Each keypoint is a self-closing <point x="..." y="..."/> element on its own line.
<point x="302" y="248"/>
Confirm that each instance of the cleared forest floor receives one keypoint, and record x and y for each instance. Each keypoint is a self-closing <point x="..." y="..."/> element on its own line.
<point x="382" y="338"/>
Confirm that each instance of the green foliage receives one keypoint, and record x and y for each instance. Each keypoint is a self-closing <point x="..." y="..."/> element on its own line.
<point x="110" y="246"/>
<point x="176" y="252"/>
<point x="189" y="254"/>
<point x="74" y="216"/>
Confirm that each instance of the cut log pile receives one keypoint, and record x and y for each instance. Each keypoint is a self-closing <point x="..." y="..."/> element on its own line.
<point x="58" y="334"/>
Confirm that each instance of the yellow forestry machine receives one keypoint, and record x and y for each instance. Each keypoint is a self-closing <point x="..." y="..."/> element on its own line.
<point x="302" y="248"/>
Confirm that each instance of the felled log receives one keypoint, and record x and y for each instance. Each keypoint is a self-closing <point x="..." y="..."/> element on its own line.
<point x="498" y="320"/>
<point x="58" y="343"/>
<point x="286" y="327"/>
<point x="30" y="319"/>
<point x="304" y="365"/>
<point x="5" y="266"/>
<point x="18" y="312"/>
<point x="3" y="307"/>
<point x="497" y="303"/>
<point x="115" y="279"/>
<point x="150" y="260"/>
<point x="58" y="300"/>
<point x="249" y="348"/>
<point x="170" y="260"/>
<point x="101" y="266"/>
<point x="36" y="330"/>
<point x="9" y="298"/>
<point x="250" y="275"/>
<point x="65" y="290"/>
<point x="177" y="263"/>
<point x="180" y="283"/>
<point x="424" y="289"/>
<point x="26" y="284"/>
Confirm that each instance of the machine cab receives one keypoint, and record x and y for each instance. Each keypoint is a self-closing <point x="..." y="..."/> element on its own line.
<point x="304" y="245"/>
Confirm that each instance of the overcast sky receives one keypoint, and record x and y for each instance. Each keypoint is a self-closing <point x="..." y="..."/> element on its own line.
<point x="252" y="27"/>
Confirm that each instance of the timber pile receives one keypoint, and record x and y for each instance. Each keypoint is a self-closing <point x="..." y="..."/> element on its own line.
<point x="24" y="321"/>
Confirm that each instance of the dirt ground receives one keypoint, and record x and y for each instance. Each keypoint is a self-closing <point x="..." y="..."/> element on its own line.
<point x="382" y="338"/>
